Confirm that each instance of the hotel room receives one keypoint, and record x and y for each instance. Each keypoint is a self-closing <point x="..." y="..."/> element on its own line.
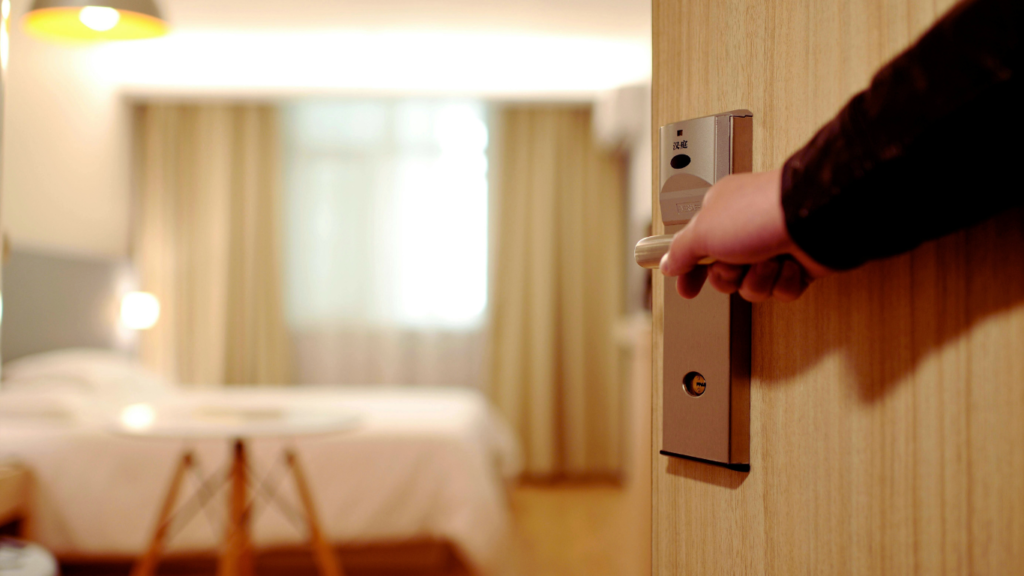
<point x="511" y="287"/>
<point x="297" y="287"/>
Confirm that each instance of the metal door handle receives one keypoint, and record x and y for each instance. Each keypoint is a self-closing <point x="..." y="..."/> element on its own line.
<point x="649" y="251"/>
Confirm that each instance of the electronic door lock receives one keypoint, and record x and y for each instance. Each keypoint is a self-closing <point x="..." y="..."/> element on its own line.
<point x="706" y="343"/>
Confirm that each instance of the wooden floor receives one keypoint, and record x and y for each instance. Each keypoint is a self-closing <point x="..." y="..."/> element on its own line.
<point x="559" y="530"/>
<point x="594" y="530"/>
<point x="582" y="531"/>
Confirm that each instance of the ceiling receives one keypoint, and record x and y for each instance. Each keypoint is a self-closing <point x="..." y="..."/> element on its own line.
<point x="604" y="18"/>
<point x="519" y="49"/>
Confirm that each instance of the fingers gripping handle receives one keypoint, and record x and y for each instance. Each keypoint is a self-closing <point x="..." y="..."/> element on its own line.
<point x="650" y="250"/>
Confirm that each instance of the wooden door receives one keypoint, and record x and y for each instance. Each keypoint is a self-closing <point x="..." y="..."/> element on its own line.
<point x="887" y="405"/>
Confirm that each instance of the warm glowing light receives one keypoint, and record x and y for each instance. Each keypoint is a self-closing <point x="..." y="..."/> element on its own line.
<point x="138" y="416"/>
<point x="5" y="33"/>
<point x="5" y="45"/>
<point x="92" y="24"/>
<point x="139" y="310"/>
<point x="99" y="18"/>
<point x="502" y="65"/>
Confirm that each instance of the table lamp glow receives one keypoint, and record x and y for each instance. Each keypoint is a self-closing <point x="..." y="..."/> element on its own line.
<point x="139" y="310"/>
<point x="76" y="21"/>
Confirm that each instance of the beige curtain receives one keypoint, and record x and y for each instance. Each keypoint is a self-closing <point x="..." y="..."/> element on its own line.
<point x="557" y="291"/>
<point x="207" y="242"/>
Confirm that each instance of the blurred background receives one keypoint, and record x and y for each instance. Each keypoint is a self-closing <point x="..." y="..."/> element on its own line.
<point x="419" y="212"/>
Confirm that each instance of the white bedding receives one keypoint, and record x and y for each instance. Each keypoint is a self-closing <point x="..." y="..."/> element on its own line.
<point x="421" y="463"/>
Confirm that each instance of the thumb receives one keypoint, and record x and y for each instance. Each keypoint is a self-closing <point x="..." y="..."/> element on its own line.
<point x="685" y="252"/>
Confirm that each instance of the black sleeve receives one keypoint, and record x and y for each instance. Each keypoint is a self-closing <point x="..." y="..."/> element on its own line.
<point x="932" y="146"/>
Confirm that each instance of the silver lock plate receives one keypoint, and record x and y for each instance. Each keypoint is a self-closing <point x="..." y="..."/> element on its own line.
<point x="708" y="336"/>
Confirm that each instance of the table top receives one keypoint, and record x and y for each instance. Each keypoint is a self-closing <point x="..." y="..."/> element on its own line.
<point x="227" y="420"/>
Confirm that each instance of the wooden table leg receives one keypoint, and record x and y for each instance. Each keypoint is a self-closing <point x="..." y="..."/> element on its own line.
<point x="236" y="557"/>
<point x="326" y="561"/>
<point x="146" y="566"/>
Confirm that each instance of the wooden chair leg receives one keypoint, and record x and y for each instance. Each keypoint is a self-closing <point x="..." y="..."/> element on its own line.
<point x="236" y="557"/>
<point x="146" y="566"/>
<point x="326" y="561"/>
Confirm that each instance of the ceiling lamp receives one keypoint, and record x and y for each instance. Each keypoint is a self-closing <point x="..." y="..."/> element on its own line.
<point x="95" y="20"/>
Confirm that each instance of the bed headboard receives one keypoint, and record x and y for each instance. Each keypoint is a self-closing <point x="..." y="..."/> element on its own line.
<point x="53" y="300"/>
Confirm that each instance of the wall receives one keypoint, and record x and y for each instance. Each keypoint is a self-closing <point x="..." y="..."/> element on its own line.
<point x="887" y="412"/>
<point x="66" y="178"/>
<point x="622" y="121"/>
<point x="65" y="156"/>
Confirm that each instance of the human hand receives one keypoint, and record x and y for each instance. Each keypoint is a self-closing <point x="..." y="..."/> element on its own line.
<point x="742" y="226"/>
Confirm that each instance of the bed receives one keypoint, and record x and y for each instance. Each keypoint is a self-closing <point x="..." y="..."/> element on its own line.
<point x="420" y="463"/>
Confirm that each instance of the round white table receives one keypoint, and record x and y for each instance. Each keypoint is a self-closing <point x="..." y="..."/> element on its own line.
<point x="171" y="419"/>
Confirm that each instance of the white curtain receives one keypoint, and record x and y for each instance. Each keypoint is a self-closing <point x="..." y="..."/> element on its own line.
<point x="383" y="355"/>
<point x="386" y="240"/>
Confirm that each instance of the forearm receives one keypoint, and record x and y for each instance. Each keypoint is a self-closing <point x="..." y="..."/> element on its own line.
<point x="923" y="151"/>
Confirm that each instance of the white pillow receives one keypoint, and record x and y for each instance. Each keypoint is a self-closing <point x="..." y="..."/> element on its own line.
<point x="91" y="371"/>
<point x="39" y="406"/>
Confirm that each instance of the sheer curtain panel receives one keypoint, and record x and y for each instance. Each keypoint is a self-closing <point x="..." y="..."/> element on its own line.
<point x="386" y="240"/>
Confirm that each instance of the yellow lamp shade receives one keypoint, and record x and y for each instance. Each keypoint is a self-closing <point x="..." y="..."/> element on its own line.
<point x="78" y="21"/>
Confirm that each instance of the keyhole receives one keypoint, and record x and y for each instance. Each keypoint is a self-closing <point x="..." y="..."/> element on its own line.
<point x="694" y="383"/>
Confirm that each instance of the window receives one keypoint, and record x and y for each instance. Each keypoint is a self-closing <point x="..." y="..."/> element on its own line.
<point x="386" y="213"/>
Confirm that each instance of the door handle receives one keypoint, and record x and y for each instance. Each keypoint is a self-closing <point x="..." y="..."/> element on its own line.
<point x="650" y="250"/>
